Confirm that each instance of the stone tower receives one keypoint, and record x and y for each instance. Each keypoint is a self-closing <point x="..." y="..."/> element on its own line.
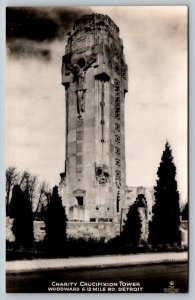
<point x="94" y="75"/>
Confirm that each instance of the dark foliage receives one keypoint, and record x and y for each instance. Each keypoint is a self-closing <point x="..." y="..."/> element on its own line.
<point x="82" y="247"/>
<point x="55" y="222"/>
<point x="185" y="213"/>
<point x="17" y="195"/>
<point x="164" y="227"/>
<point x="131" y="233"/>
<point x="21" y="211"/>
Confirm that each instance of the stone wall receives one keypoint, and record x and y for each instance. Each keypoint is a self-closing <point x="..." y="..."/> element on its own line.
<point x="184" y="233"/>
<point x="86" y="230"/>
<point x="39" y="230"/>
<point x="131" y="194"/>
<point x="144" y="224"/>
<point x="9" y="233"/>
<point x="98" y="230"/>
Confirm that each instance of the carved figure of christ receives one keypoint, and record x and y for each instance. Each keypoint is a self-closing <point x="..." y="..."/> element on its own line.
<point x="79" y="72"/>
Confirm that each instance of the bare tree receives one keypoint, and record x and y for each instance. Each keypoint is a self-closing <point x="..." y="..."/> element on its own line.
<point x="12" y="177"/>
<point x="24" y="178"/>
<point x="44" y="196"/>
<point x="29" y="181"/>
<point x="39" y="194"/>
<point x="32" y="187"/>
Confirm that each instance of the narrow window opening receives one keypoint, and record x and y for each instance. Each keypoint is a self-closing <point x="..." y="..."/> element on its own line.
<point x="80" y="200"/>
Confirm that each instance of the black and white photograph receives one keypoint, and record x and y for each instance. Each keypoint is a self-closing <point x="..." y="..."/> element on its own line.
<point x="96" y="132"/>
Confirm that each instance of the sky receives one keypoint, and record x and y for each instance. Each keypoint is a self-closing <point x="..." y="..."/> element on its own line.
<point x="155" y="48"/>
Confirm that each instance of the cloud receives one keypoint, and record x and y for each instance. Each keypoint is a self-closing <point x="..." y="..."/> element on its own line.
<point x="26" y="49"/>
<point x="29" y="28"/>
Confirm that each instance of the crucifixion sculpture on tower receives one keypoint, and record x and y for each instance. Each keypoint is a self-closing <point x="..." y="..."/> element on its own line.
<point x="79" y="70"/>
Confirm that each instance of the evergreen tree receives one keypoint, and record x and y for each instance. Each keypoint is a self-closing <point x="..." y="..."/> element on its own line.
<point x="55" y="222"/>
<point x="21" y="211"/>
<point x="15" y="202"/>
<point x="185" y="213"/>
<point x="132" y="226"/>
<point x="164" y="227"/>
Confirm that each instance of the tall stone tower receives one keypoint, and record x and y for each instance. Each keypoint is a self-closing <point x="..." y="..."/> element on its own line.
<point x="94" y="75"/>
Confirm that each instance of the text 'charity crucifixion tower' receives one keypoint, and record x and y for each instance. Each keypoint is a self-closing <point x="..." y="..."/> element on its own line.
<point x="94" y="75"/>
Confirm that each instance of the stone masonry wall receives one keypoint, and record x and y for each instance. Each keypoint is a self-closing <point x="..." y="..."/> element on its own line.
<point x="86" y="230"/>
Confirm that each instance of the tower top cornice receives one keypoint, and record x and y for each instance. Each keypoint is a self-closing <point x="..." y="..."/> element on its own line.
<point x="95" y="39"/>
<point x="95" y="21"/>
